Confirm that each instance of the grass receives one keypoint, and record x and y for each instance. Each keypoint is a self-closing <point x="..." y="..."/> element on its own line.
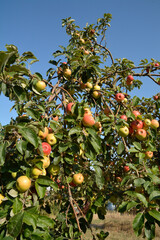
<point x="119" y="227"/>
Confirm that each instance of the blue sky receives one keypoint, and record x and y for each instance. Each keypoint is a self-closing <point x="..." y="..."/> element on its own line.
<point x="35" y="25"/>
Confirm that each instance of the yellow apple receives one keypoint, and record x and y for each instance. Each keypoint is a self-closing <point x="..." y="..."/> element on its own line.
<point x="51" y="139"/>
<point x="40" y="85"/>
<point x="23" y="183"/>
<point x="37" y="172"/>
<point x="1" y="198"/>
<point x="43" y="134"/>
<point x="78" y="178"/>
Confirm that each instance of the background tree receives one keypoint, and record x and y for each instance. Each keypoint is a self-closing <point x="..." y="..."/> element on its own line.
<point x="79" y="140"/>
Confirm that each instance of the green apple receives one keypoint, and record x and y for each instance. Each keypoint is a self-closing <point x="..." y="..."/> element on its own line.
<point x="123" y="131"/>
<point x="147" y="123"/>
<point x="53" y="169"/>
<point x="40" y="85"/>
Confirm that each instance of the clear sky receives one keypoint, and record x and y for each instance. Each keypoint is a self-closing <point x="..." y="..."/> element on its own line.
<point x="35" y="25"/>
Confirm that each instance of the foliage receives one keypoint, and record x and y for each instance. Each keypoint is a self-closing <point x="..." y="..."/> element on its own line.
<point x="54" y="207"/>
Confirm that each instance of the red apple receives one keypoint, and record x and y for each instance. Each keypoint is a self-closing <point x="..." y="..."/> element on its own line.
<point x="55" y="118"/>
<point x="136" y="113"/>
<point x="88" y="120"/>
<point x="119" y="97"/>
<point x="69" y="107"/>
<point x="131" y="130"/>
<point x="107" y="111"/>
<point x="126" y="168"/>
<point x="46" y="148"/>
<point x="156" y="64"/>
<point x="130" y="78"/>
<point x="141" y="134"/>
<point x="154" y="124"/>
<point x="124" y="117"/>
<point x="156" y="97"/>
<point x="137" y="124"/>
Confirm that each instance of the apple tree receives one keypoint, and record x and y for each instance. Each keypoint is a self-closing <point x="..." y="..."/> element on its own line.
<point x="79" y="140"/>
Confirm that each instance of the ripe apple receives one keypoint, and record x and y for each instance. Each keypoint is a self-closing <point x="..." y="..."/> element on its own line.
<point x="36" y="172"/>
<point x="119" y="179"/>
<point x="69" y="107"/>
<point x="119" y="97"/>
<point x="40" y="85"/>
<point x="131" y="130"/>
<point x="124" y="117"/>
<point x="149" y="154"/>
<point x="154" y="124"/>
<point x="125" y="100"/>
<point x="96" y="94"/>
<point x="147" y="123"/>
<point x="136" y="113"/>
<point x="97" y="87"/>
<point x="89" y="85"/>
<point x="126" y="168"/>
<point x="46" y="161"/>
<point x="55" y="118"/>
<point x="156" y="97"/>
<point x="43" y="134"/>
<point x="23" y="183"/>
<point x="78" y="178"/>
<point x="51" y="139"/>
<point x="46" y="148"/>
<point x="67" y="72"/>
<point x="53" y="169"/>
<point x="86" y="52"/>
<point x="72" y="184"/>
<point x="156" y="64"/>
<point x="130" y="78"/>
<point x="123" y="131"/>
<point x="87" y="111"/>
<point x="107" y="111"/>
<point x="1" y="198"/>
<point x="88" y="120"/>
<point x="141" y="134"/>
<point x="137" y="124"/>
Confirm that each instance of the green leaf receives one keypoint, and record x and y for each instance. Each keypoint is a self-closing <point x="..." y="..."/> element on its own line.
<point x="138" y="223"/>
<point x="142" y="199"/>
<point x="4" y="57"/>
<point x="154" y="195"/>
<point x="17" y="206"/>
<point x="3" y="147"/>
<point x="99" y="177"/>
<point x="15" y="224"/>
<point x="135" y="101"/>
<point x="149" y="230"/>
<point x="46" y="181"/>
<point x="30" y="135"/>
<point x="45" y="222"/>
<point x="21" y="146"/>
<point x="75" y="130"/>
<point x="20" y="93"/>
<point x="30" y="219"/>
<point x="122" y="207"/>
<point x="138" y="182"/>
<point x="40" y="190"/>
<point x="137" y="145"/>
<point x="131" y="204"/>
<point x="120" y="148"/>
<point x="155" y="214"/>
<point x="133" y="150"/>
<point x="33" y="113"/>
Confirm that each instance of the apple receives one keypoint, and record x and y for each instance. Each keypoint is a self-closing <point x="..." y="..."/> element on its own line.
<point x="46" y="148"/>
<point x="119" y="179"/>
<point x="86" y="52"/>
<point x="149" y="154"/>
<point x="126" y="168"/>
<point x="136" y="113"/>
<point x="23" y="183"/>
<point x="130" y="78"/>
<point x="137" y="124"/>
<point x="89" y="85"/>
<point x="53" y="169"/>
<point x="119" y="97"/>
<point x="125" y="100"/>
<point x="141" y="134"/>
<point x="87" y="111"/>
<point x="98" y="126"/>
<point x="14" y="174"/>
<point x="156" y="97"/>
<point x="107" y="111"/>
<point x="43" y="134"/>
<point x="1" y="198"/>
<point x="55" y="118"/>
<point x="83" y="85"/>
<point x="124" y="117"/>
<point x="156" y="64"/>
<point x="147" y="123"/>
<point x="36" y="172"/>
<point x="88" y="120"/>
<point x="131" y="130"/>
<point x="69" y="107"/>
<point x="51" y="139"/>
<point x="40" y="85"/>
<point x="78" y="178"/>
<point x="123" y="131"/>
<point x="72" y="184"/>
<point x="46" y="161"/>
<point x="67" y="72"/>
<point x="154" y="124"/>
<point x="82" y="40"/>
<point x="97" y="87"/>
<point x="129" y="83"/>
<point x="96" y="94"/>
